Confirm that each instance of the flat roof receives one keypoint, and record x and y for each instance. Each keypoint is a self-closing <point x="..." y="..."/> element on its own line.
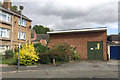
<point x="79" y="30"/>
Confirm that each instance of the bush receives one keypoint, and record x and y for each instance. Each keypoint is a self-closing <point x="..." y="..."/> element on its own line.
<point x="9" y="54"/>
<point x="44" y="58"/>
<point x="61" y="53"/>
<point x="28" y="55"/>
<point x="17" y="48"/>
<point x="71" y="51"/>
<point x="64" y="52"/>
<point x="42" y="52"/>
<point x="58" y="52"/>
<point x="39" y="48"/>
<point x="75" y="56"/>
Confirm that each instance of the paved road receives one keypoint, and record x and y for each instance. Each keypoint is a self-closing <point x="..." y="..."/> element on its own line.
<point x="63" y="74"/>
<point x="82" y="69"/>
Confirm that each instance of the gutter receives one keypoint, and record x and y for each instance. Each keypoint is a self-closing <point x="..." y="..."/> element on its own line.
<point x="79" y="30"/>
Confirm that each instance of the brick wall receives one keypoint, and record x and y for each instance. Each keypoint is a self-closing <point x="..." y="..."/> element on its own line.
<point x="16" y="29"/>
<point x="79" y="40"/>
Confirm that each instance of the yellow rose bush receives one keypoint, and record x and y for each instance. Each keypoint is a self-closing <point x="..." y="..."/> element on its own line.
<point x="28" y="55"/>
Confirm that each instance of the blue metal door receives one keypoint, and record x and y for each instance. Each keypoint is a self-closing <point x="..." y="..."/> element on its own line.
<point x="114" y="52"/>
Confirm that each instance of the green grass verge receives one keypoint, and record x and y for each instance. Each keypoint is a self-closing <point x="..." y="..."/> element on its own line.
<point x="10" y="61"/>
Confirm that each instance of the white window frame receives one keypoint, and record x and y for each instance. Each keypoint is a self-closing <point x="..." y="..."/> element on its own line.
<point x="4" y="32"/>
<point x="7" y="18"/>
<point x="3" y="48"/>
<point x="22" y="35"/>
<point x="23" y="22"/>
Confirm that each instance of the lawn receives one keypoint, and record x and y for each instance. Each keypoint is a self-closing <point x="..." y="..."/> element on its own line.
<point x="10" y="61"/>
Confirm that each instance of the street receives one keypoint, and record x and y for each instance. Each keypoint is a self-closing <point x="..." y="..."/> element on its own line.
<point x="63" y="74"/>
<point x="82" y="69"/>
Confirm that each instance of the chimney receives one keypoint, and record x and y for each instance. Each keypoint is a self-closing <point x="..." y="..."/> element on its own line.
<point x="6" y="4"/>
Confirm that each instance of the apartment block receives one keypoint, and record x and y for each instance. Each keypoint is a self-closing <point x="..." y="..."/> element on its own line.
<point x="10" y="27"/>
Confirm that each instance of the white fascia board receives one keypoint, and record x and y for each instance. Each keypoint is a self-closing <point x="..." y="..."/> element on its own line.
<point x="81" y="30"/>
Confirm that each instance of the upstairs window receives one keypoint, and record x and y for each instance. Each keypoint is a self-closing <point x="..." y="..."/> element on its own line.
<point x="23" y="23"/>
<point x="4" y="33"/>
<point x="22" y="35"/>
<point x="5" y="16"/>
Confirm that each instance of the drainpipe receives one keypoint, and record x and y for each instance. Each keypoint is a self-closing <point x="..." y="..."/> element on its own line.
<point x="12" y="32"/>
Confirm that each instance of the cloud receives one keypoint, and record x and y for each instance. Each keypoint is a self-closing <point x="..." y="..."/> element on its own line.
<point x="71" y="14"/>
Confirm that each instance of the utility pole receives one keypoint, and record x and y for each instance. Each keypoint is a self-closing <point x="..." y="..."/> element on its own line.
<point x="21" y="8"/>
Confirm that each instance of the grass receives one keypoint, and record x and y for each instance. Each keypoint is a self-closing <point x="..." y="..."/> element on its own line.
<point x="10" y="61"/>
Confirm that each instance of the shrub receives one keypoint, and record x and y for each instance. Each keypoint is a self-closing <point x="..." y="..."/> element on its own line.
<point x="39" y="48"/>
<point x="61" y="53"/>
<point x="28" y="55"/>
<point x="9" y="54"/>
<point x="42" y="52"/>
<point x="71" y="51"/>
<point x="64" y="52"/>
<point x="44" y="58"/>
<point x="17" y="48"/>
<point x="75" y="56"/>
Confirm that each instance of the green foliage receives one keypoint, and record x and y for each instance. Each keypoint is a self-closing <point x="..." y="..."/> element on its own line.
<point x="42" y="52"/>
<point x="75" y="56"/>
<point x="39" y="29"/>
<point x="19" y="11"/>
<point x="9" y="54"/>
<point x="0" y="3"/>
<point x="39" y="48"/>
<point x="11" y="61"/>
<point x="28" y="55"/>
<point x="14" y="8"/>
<point x="17" y="48"/>
<point x="71" y="51"/>
<point x="62" y="53"/>
<point x="58" y="52"/>
<point x="44" y="58"/>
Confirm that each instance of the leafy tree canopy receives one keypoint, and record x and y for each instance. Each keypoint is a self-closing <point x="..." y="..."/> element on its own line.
<point x="14" y="7"/>
<point x="40" y="29"/>
<point x="0" y="3"/>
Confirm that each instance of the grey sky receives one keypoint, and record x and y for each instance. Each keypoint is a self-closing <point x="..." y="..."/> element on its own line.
<point x="68" y="14"/>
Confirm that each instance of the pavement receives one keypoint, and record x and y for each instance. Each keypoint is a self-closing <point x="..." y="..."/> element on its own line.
<point x="79" y="69"/>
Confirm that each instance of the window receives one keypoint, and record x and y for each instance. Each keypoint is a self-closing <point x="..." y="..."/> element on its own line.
<point x="3" y="48"/>
<point x="23" y="22"/>
<point x="4" y="33"/>
<point x="22" y="35"/>
<point x="4" y="16"/>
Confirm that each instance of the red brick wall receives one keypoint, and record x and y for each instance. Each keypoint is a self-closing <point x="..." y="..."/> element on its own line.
<point x="79" y="40"/>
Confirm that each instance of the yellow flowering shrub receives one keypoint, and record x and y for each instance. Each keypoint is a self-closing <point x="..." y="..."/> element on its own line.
<point x="28" y="55"/>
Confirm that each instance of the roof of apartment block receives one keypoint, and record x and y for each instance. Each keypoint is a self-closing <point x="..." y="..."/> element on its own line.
<point x="11" y="11"/>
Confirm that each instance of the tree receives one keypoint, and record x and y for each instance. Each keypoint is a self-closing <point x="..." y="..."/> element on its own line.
<point x="0" y="3"/>
<point x="14" y="8"/>
<point x="40" y="29"/>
